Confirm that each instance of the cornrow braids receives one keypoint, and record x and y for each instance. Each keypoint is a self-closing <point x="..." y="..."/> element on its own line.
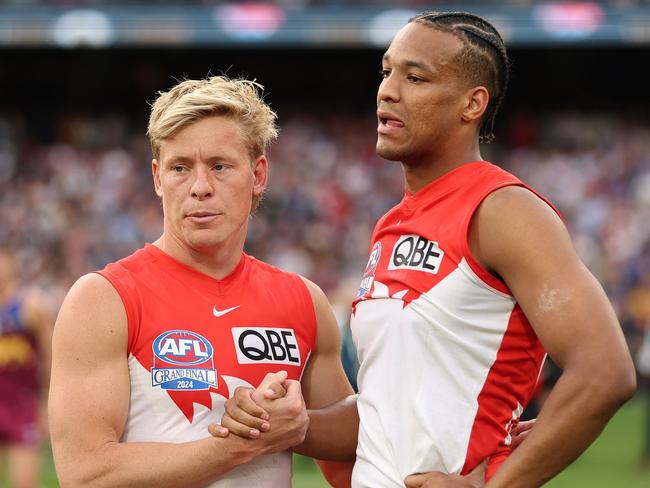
<point x="484" y="59"/>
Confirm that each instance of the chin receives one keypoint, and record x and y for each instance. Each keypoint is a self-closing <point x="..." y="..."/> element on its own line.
<point x="389" y="153"/>
<point x="203" y="239"/>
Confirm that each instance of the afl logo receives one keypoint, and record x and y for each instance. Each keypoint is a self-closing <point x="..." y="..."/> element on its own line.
<point x="182" y="347"/>
<point x="183" y="361"/>
<point x="371" y="268"/>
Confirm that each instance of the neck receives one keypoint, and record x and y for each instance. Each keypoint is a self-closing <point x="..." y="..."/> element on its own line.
<point x="419" y="174"/>
<point x="217" y="261"/>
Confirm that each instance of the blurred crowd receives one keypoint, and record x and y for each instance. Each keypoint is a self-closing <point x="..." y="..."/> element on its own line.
<point x="85" y="198"/>
<point x="308" y="3"/>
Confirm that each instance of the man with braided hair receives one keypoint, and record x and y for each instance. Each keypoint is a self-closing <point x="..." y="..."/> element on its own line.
<point x="472" y="278"/>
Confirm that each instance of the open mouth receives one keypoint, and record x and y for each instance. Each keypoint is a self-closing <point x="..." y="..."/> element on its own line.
<point x="388" y="124"/>
<point x="391" y="122"/>
<point x="388" y="121"/>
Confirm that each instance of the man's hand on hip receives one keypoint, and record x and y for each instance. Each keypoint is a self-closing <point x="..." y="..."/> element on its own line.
<point x="436" y="479"/>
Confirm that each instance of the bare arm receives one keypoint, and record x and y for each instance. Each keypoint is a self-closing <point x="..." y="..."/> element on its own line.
<point x="89" y="398"/>
<point x="332" y="404"/>
<point x="520" y="238"/>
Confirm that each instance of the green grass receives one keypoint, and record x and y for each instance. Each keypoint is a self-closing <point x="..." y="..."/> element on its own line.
<point x="306" y="474"/>
<point x="610" y="462"/>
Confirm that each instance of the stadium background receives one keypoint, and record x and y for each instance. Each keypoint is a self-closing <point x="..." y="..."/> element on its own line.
<point x="75" y="190"/>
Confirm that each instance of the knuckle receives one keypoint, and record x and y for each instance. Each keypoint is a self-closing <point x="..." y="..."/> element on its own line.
<point x="240" y="393"/>
<point x="234" y="412"/>
<point x="296" y="409"/>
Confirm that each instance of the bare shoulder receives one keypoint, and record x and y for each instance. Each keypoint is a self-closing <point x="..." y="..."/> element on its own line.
<point x="93" y="291"/>
<point x="92" y="313"/>
<point x="317" y="295"/>
<point x="328" y="330"/>
<point x="515" y="205"/>
<point x="513" y="225"/>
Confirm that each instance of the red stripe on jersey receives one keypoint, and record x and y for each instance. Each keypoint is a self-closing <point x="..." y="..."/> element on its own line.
<point x="508" y="386"/>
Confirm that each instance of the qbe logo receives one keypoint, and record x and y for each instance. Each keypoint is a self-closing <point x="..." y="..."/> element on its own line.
<point x="183" y="360"/>
<point x="266" y="345"/>
<point x="416" y="252"/>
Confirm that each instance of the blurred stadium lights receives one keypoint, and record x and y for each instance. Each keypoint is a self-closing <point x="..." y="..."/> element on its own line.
<point x="261" y="24"/>
<point x="570" y="20"/>
<point x="254" y="21"/>
<point x="82" y="27"/>
<point x="383" y="26"/>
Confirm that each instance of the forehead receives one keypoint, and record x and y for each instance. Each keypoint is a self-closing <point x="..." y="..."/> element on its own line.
<point x="220" y="133"/>
<point x="423" y="44"/>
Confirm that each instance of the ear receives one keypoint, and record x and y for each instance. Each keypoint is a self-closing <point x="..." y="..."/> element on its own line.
<point x="476" y="102"/>
<point x="260" y="175"/>
<point x="155" y="172"/>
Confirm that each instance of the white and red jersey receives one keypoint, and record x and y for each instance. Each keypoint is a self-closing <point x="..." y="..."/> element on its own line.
<point x="447" y="358"/>
<point x="192" y="340"/>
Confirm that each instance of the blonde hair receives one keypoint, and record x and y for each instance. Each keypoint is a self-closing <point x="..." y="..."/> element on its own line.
<point x="193" y="100"/>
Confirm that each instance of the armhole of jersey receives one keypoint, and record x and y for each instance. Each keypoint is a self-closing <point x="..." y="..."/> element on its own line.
<point x="129" y="307"/>
<point x="310" y="315"/>
<point x="483" y="274"/>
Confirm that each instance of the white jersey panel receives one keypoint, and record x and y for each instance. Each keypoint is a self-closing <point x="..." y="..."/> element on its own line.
<point x="422" y="368"/>
<point x="153" y="417"/>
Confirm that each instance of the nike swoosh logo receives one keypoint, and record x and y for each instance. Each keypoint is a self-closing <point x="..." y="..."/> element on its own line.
<point x="219" y="313"/>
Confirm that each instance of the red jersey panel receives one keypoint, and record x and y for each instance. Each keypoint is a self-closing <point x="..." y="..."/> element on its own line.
<point x="193" y="339"/>
<point x="447" y="358"/>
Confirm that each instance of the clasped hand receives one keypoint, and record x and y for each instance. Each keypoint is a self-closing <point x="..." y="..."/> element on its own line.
<point x="274" y="413"/>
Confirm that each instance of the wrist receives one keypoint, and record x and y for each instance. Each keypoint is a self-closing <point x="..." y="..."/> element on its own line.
<point x="242" y="450"/>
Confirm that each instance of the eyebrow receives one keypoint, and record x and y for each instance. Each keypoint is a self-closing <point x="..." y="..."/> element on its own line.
<point x="178" y="158"/>
<point x="411" y="63"/>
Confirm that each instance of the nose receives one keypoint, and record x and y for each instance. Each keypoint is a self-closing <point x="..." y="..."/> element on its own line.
<point x="202" y="185"/>
<point x="388" y="89"/>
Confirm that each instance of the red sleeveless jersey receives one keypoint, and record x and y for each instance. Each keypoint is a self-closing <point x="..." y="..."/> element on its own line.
<point x="193" y="339"/>
<point x="447" y="358"/>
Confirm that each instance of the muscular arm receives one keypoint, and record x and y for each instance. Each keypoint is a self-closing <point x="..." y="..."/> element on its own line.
<point x="520" y="238"/>
<point x="331" y="403"/>
<point x="89" y="398"/>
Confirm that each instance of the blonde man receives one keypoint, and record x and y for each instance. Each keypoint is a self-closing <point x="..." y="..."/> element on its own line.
<point x="147" y="350"/>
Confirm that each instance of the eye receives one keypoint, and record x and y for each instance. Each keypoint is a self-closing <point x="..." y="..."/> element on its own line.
<point x="177" y="168"/>
<point x="219" y="167"/>
<point x="414" y="79"/>
<point x="384" y="73"/>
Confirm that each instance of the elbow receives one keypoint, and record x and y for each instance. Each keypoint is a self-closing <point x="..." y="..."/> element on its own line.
<point x="627" y="385"/>
<point x="617" y="384"/>
<point x="70" y="478"/>
<point x="77" y="478"/>
<point x="73" y="476"/>
<point x="74" y="471"/>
